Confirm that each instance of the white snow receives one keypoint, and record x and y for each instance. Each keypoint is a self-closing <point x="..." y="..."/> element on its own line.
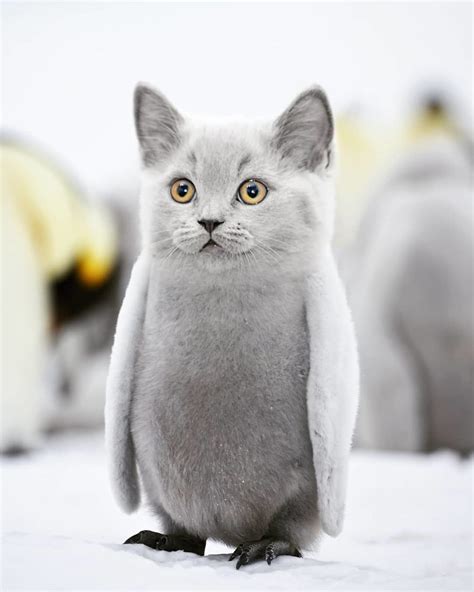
<point x="408" y="527"/>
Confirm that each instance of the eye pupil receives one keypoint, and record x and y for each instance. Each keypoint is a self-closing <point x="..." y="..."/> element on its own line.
<point x="182" y="190"/>
<point x="252" y="190"/>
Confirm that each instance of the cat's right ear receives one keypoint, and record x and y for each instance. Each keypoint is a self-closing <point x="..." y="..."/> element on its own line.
<point x="157" y="124"/>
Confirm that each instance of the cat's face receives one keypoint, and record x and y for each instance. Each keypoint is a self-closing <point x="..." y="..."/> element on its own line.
<point x="235" y="195"/>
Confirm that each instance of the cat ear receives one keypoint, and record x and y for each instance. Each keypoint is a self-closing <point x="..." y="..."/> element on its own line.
<point x="304" y="132"/>
<point x="157" y="123"/>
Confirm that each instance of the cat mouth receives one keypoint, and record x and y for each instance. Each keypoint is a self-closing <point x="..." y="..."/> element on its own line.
<point x="211" y="245"/>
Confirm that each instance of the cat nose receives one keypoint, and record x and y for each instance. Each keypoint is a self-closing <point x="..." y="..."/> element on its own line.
<point x="209" y="225"/>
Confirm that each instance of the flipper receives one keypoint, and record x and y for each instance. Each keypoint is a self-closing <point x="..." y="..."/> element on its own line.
<point x="333" y="389"/>
<point x="121" y="455"/>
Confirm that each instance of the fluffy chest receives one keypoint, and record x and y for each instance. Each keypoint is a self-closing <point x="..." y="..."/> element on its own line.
<point x="223" y="366"/>
<point x="201" y="338"/>
<point x="219" y="405"/>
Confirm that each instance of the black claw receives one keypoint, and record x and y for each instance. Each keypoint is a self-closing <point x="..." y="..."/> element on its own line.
<point x="243" y="560"/>
<point x="163" y="542"/>
<point x="267" y="549"/>
<point x="236" y="553"/>
<point x="144" y="537"/>
<point x="269" y="554"/>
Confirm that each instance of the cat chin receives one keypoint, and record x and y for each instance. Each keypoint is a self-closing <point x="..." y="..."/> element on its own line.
<point x="216" y="259"/>
<point x="213" y="259"/>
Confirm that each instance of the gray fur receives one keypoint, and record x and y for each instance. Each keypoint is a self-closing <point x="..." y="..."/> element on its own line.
<point x="237" y="422"/>
<point x="157" y="124"/>
<point x="304" y="132"/>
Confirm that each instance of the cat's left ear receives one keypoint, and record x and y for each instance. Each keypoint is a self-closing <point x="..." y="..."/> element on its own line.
<point x="305" y="131"/>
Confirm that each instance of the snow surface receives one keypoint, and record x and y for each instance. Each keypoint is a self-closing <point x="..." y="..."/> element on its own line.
<point x="408" y="527"/>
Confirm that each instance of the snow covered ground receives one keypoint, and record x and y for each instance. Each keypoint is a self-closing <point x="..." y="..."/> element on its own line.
<point x="408" y="527"/>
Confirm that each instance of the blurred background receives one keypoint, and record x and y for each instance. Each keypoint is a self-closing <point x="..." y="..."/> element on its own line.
<point x="399" y="76"/>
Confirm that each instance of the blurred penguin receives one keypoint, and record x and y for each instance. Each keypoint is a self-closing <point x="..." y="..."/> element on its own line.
<point x="81" y="347"/>
<point x="410" y="278"/>
<point x="61" y="266"/>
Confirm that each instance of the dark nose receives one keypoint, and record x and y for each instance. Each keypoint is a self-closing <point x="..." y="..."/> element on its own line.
<point x="209" y="225"/>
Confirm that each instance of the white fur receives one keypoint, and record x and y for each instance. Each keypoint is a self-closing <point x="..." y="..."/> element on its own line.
<point x="333" y="389"/>
<point x="121" y="456"/>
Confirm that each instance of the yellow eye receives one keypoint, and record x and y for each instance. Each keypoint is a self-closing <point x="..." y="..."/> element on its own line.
<point x="182" y="191"/>
<point x="252" y="192"/>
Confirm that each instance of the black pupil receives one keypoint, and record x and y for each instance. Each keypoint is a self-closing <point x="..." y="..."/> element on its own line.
<point x="183" y="189"/>
<point x="252" y="190"/>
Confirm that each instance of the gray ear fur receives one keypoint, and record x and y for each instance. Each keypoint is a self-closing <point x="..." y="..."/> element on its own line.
<point x="304" y="132"/>
<point x="157" y="123"/>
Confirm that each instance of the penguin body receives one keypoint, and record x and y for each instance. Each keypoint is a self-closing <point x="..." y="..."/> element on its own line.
<point x="233" y="383"/>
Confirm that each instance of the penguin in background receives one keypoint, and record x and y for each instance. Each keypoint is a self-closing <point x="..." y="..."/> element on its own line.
<point x="60" y="264"/>
<point x="410" y="285"/>
<point x="368" y="149"/>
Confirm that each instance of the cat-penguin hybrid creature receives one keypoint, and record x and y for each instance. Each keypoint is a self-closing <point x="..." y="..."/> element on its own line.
<point x="233" y="384"/>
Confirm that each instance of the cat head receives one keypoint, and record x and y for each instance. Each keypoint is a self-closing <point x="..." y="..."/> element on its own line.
<point x="235" y="195"/>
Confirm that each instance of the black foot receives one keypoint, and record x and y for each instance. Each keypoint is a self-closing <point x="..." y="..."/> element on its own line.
<point x="15" y="450"/>
<point x="168" y="542"/>
<point x="264" y="549"/>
